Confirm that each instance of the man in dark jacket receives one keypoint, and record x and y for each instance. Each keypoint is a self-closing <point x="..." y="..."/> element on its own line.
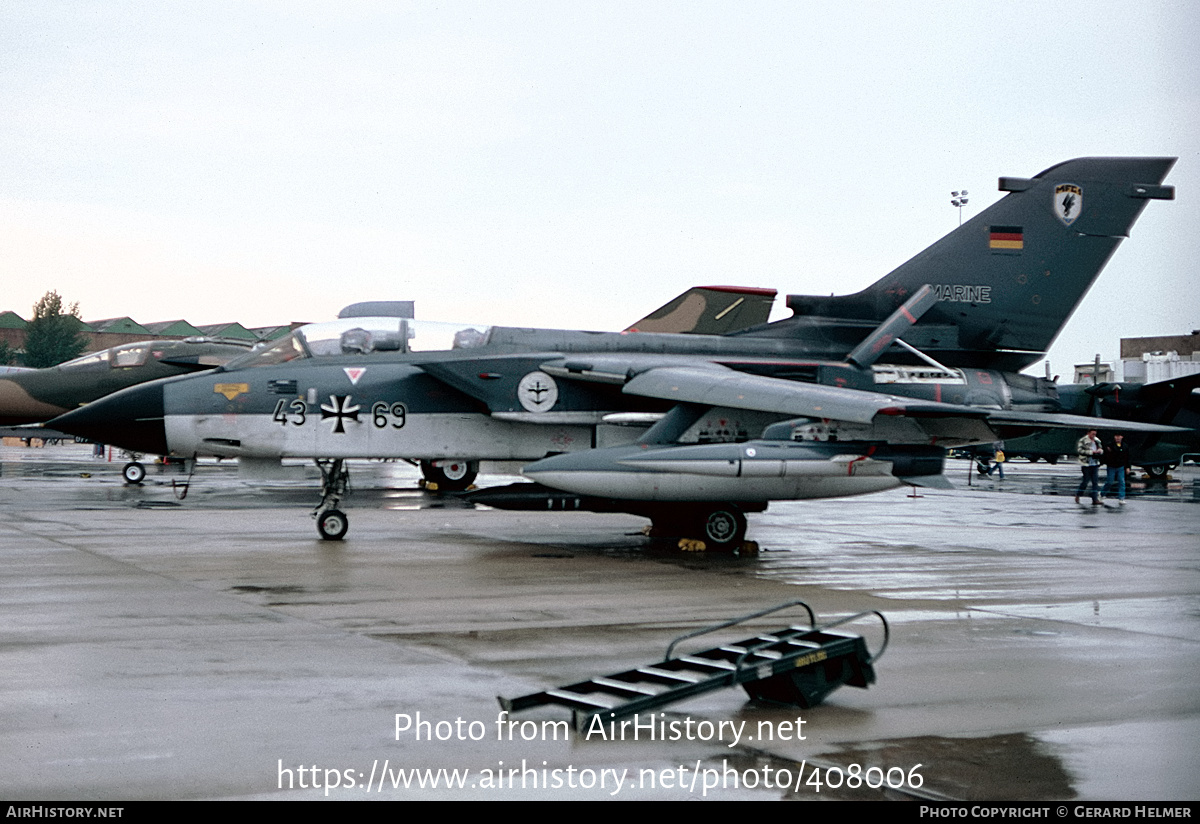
<point x="1116" y="461"/>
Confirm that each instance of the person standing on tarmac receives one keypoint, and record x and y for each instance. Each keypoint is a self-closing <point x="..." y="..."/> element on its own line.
<point x="1116" y="463"/>
<point x="997" y="460"/>
<point x="1089" y="450"/>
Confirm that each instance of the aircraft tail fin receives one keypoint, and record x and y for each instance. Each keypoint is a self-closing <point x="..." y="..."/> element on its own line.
<point x="1007" y="280"/>
<point x="1169" y="397"/>
<point x="1171" y="401"/>
<point x="1159" y="402"/>
<point x="710" y="310"/>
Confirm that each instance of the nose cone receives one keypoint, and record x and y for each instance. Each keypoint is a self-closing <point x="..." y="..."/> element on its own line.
<point x="131" y="419"/>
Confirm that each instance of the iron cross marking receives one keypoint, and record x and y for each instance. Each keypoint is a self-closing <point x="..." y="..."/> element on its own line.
<point x="538" y="389"/>
<point x="340" y="408"/>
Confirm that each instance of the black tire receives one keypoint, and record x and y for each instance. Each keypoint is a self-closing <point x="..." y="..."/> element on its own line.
<point x="133" y="472"/>
<point x="723" y="526"/>
<point x="333" y="525"/>
<point x="1158" y="472"/>
<point x="450" y="476"/>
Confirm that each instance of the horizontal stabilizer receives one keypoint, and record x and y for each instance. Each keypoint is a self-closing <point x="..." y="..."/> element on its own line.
<point x="1054" y="420"/>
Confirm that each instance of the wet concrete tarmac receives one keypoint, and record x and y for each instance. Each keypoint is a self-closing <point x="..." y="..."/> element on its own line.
<point x="212" y="647"/>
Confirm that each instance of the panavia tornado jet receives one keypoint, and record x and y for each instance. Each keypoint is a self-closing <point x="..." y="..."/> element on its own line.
<point x="851" y="394"/>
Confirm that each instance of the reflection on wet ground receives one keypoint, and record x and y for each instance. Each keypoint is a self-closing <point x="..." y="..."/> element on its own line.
<point x="1040" y="649"/>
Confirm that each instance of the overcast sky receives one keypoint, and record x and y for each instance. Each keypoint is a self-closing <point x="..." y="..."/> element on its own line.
<point x="566" y="164"/>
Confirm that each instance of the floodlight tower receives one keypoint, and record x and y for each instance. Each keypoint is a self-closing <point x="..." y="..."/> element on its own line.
<point x="959" y="200"/>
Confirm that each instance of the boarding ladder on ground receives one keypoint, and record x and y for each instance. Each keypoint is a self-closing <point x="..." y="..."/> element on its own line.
<point x="797" y="665"/>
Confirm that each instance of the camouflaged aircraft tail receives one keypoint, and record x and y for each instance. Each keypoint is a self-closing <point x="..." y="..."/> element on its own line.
<point x="710" y="310"/>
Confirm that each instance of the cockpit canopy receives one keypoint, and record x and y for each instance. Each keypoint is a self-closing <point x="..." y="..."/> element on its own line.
<point x="362" y="336"/>
<point x="131" y="354"/>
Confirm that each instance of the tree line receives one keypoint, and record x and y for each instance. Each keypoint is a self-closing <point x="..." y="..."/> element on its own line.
<point x="52" y="336"/>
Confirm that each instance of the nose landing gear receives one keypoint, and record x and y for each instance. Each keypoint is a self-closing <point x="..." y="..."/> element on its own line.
<point x="332" y="523"/>
<point x="133" y="472"/>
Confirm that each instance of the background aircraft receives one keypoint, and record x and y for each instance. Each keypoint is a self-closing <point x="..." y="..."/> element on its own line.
<point x="32" y="396"/>
<point x="1174" y="402"/>
<point x="989" y="296"/>
<point x="36" y="395"/>
<point x="710" y="310"/>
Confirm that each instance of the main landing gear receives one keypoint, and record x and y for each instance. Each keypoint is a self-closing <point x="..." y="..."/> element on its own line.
<point x="724" y="526"/>
<point x="1158" y="472"/>
<point x="719" y="526"/>
<point x="332" y="523"/>
<point x="449" y="475"/>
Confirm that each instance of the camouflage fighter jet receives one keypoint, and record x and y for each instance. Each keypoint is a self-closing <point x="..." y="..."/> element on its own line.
<point x="37" y="395"/>
<point x="31" y="396"/>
